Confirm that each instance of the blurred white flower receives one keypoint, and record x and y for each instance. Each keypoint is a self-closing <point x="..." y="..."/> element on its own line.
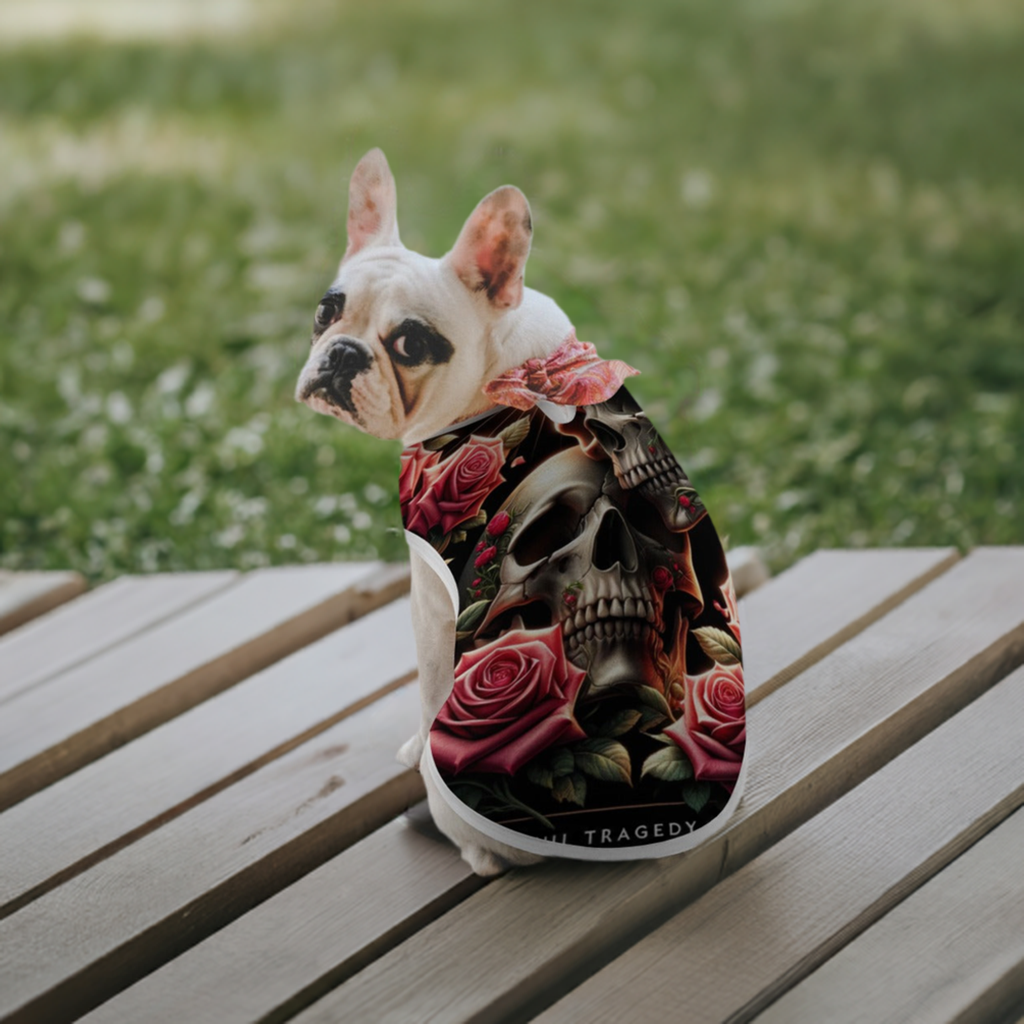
<point x="173" y="378"/>
<point x="119" y="409"/>
<point x="698" y="188"/>
<point x="93" y="290"/>
<point x="201" y="400"/>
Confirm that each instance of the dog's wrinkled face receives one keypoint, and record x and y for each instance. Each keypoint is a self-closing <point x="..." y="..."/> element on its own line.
<point x="398" y="337"/>
<point x="389" y="336"/>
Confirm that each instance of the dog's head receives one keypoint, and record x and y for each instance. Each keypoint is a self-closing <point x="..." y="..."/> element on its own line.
<point x="403" y="343"/>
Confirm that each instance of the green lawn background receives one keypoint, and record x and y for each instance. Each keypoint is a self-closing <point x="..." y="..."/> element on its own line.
<point x="803" y="221"/>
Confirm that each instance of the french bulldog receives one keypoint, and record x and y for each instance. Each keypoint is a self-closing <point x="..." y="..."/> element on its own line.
<point x="415" y="348"/>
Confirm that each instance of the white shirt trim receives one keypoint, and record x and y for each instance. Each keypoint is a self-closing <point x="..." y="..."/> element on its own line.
<point x="429" y="554"/>
<point x="554" y="848"/>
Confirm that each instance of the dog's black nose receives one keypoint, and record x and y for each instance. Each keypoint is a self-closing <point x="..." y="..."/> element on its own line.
<point x="345" y="358"/>
<point x="339" y="366"/>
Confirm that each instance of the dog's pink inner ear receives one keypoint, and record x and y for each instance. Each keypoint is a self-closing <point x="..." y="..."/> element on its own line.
<point x="372" y="205"/>
<point x="491" y="251"/>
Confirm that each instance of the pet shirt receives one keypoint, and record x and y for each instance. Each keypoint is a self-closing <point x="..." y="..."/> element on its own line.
<point x="597" y="710"/>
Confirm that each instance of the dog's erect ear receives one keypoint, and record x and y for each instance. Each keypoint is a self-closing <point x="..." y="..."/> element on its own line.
<point x="491" y="250"/>
<point x="372" y="205"/>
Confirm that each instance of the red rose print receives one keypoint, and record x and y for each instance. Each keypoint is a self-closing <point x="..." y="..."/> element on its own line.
<point x="499" y="524"/>
<point x="484" y="557"/>
<point x="512" y="699"/>
<point x="454" y="489"/>
<point x="662" y="578"/>
<point x="712" y="732"/>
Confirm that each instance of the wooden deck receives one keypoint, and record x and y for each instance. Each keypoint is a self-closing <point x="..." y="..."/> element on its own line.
<point x="203" y="820"/>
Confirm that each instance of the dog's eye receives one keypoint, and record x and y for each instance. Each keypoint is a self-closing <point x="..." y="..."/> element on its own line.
<point x="414" y="343"/>
<point x="409" y="348"/>
<point x="332" y="305"/>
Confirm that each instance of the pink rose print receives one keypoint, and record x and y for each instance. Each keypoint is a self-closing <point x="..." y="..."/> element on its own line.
<point x="512" y="699"/>
<point x="712" y="732"/>
<point x="572" y="375"/>
<point x="454" y="489"/>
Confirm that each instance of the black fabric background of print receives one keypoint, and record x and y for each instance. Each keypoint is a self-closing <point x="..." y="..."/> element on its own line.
<point x="580" y="808"/>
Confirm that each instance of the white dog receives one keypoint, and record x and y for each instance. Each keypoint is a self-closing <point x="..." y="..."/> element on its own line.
<point x="575" y="624"/>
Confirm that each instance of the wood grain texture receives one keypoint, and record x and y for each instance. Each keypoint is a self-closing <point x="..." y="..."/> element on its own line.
<point x="82" y="714"/>
<point x="937" y="955"/>
<point x="789" y="910"/>
<point x="24" y="595"/>
<point x="839" y="594"/>
<point x="131" y="762"/>
<point x="287" y="952"/>
<point x="86" y="940"/>
<point x="97" y="621"/>
<point x="525" y="940"/>
<point x="93" y="812"/>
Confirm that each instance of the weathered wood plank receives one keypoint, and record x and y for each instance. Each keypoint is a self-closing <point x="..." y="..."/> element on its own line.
<point x="794" y="906"/>
<point x="839" y="594"/>
<point x="936" y="956"/>
<point x="24" y="595"/>
<point x="300" y="962"/>
<point x="810" y="742"/>
<point x="287" y="952"/>
<point x="97" y="621"/>
<point x="80" y="715"/>
<point x="303" y="960"/>
<point x="93" y="812"/>
<point x="81" y="943"/>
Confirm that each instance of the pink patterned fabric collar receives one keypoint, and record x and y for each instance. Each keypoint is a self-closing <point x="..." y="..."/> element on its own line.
<point x="574" y="374"/>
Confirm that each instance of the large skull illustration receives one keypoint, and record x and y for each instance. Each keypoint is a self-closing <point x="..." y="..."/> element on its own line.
<point x="622" y="596"/>
<point x="642" y="460"/>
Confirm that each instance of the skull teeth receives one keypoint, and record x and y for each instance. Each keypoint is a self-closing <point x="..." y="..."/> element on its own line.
<point x="612" y="629"/>
<point x="658" y="473"/>
<point x="616" y="619"/>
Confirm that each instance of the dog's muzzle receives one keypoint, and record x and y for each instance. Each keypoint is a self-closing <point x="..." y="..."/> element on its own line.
<point x="340" y="364"/>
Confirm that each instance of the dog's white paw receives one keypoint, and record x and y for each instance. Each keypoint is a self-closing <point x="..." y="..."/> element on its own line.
<point x="487" y="863"/>
<point x="484" y="862"/>
<point x="410" y="752"/>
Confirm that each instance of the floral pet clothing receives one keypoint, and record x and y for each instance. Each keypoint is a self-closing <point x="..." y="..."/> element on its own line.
<point x="597" y="710"/>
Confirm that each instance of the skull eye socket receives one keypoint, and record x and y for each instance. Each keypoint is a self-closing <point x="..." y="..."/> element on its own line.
<point x="548" y="532"/>
<point x="610" y="440"/>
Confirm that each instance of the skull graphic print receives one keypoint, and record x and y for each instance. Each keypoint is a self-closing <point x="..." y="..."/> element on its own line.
<point x="597" y="706"/>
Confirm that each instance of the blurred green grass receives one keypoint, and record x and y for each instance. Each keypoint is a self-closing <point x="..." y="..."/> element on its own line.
<point x="803" y="222"/>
